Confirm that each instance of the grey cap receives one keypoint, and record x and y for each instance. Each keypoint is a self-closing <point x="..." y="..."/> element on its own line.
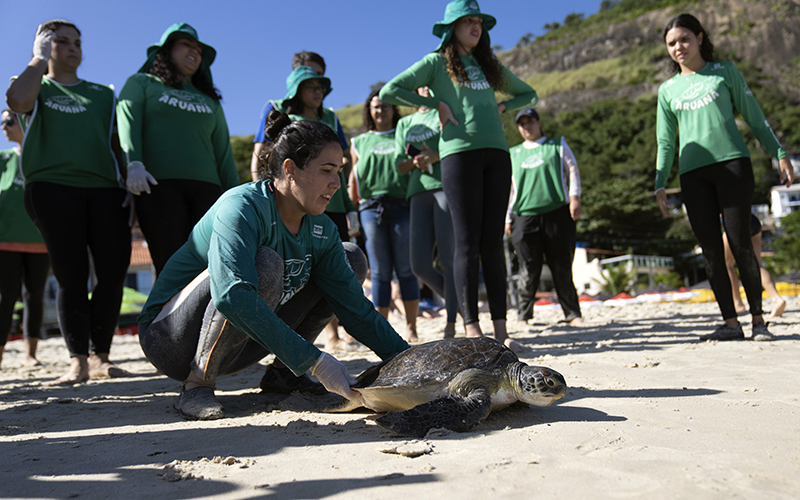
<point x="527" y="112"/>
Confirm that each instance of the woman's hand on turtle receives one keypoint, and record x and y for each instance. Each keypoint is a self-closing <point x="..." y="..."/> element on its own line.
<point x="787" y="171"/>
<point x="334" y="376"/>
<point x="661" y="201"/>
<point x="43" y="43"/>
<point x="445" y="115"/>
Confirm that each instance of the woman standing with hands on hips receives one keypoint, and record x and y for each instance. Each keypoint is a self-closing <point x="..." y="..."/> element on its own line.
<point x="714" y="164"/>
<point x="175" y="139"/>
<point x="463" y="75"/>
<point x="74" y="193"/>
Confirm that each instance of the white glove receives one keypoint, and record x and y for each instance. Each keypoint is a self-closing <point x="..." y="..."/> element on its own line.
<point x="139" y="179"/>
<point x="333" y="375"/>
<point x="355" y="227"/>
<point x="43" y="43"/>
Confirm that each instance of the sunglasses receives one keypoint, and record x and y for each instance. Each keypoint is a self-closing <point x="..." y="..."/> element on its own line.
<point x="314" y="88"/>
<point x="8" y="122"/>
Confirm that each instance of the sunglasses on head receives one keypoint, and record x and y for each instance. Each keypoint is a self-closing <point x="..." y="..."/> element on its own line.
<point x="8" y="121"/>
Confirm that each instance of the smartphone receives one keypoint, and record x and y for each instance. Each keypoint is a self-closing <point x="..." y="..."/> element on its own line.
<point x="411" y="150"/>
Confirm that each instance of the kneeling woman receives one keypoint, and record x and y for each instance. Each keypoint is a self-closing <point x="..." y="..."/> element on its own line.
<point x="264" y="271"/>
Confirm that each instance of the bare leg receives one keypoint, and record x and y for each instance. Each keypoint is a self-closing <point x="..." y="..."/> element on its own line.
<point x="332" y="339"/>
<point x="473" y="330"/>
<point x="30" y="352"/>
<point x="101" y="367"/>
<point x="384" y="311"/>
<point x="767" y="282"/>
<point x="78" y="372"/>
<point x="501" y="335"/>
<point x="411" y="308"/>
<point x="730" y="265"/>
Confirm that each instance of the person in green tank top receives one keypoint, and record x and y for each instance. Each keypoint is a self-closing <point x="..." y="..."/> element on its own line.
<point x="431" y="233"/>
<point x="263" y="272"/>
<point x="23" y="255"/>
<point x="380" y="190"/>
<point x="175" y="139"/>
<point x="463" y="75"/>
<point x="545" y="204"/>
<point x="306" y="91"/>
<point x="716" y="176"/>
<point x="74" y="193"/>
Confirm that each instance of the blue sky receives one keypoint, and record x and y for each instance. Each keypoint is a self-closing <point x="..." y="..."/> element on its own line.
<point x="362" y="41"/>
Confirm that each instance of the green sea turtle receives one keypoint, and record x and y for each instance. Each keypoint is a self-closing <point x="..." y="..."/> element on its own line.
<point x="452" y="383"/>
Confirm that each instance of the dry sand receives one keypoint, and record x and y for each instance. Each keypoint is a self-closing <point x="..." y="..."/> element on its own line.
<point x="651" y="412"/>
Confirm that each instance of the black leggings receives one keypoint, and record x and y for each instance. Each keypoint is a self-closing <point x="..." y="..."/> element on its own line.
<point x="724" y="188"/>
<point x="477" y="184"/>
<point x="79" y="225"/>
<point x="18" y="269"/>
<point x="168" y="214"/>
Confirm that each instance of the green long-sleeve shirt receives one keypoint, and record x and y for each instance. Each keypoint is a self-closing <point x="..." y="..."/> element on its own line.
<point x="416" y="129"/>
<point x="225" y="242"/>
<point x="473" y="103"/>
<point x="176" y="134"/>
<point x="702" y="105"/>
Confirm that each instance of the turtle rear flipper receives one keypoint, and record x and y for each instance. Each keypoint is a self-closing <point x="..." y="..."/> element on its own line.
<point x="452" y="412"/>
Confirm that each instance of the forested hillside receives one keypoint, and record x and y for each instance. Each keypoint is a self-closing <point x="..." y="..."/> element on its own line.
<point x="597" y="78"/>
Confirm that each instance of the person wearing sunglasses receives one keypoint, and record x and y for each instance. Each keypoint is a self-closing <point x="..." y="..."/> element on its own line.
<point x="23" y="255"/>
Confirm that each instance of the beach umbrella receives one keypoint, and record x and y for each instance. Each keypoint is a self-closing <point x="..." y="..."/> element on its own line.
<point x="703" y="285"/>
<point x="792" y="277"/>
<point x="587" y="301"/>
<point x="621" y="300"/>
<point x="545" y="304"/>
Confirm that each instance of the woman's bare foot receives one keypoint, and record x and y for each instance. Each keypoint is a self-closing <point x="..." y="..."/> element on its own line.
<point x="101" y="367"/>
<point x="78" y="372"/>
<point x="515" y="346"/>
<point x="411" y="334"/>
<point x="740" y="308"/>
<point x="450" y="330"/>
<point x="777" y="312"/>
<point x="577" y="322"/>
<point x="473" y="330"/>
<point x="31" y="362"/>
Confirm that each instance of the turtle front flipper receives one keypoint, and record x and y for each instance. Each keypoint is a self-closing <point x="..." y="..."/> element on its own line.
<point x="451" y="412"/>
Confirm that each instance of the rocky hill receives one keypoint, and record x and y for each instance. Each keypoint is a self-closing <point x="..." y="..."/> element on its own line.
<point x="628" y="44"/>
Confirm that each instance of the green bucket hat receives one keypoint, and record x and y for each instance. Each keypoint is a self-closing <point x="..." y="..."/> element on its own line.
<point x="454" y="11"/>
<point x="178" y="30"/>
<point x="301" y="74"/>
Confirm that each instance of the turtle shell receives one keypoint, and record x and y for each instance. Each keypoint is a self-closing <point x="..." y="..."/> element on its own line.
<point x="423" y="373"/>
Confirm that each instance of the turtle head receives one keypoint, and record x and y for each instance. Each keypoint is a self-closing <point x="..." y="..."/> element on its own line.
<point x="540" y="386"/>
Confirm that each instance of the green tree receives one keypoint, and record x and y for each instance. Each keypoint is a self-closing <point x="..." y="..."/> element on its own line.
<point x="617" y="280"/>
<point x="787" y="248"/>
<point x="242" y="146"/>
<point x="573" y="18"/>
<point x="552" y="26"/>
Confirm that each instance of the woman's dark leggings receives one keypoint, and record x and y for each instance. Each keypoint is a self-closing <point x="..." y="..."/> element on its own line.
<point x="25" y="272"/>
<point x="168" y="214"/>
<point x="80" y="225"/>
<point x="724" y="188"/>
<point x="477" y="184"/>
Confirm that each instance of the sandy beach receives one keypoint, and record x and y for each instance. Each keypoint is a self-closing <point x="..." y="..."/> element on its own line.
<point x="650" y="412"/>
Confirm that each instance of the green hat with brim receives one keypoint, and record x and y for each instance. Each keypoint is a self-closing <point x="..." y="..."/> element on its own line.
<point x="454" y="11"/>
<point x="181" y="30"/>
<point x="301" y="74"/>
